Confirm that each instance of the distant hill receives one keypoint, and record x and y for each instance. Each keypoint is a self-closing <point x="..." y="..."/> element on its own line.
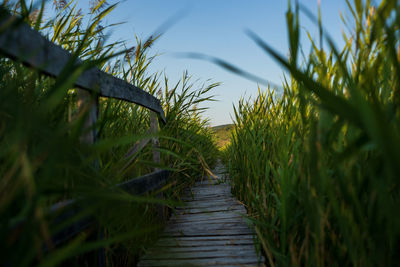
<point x="223" y="134"/>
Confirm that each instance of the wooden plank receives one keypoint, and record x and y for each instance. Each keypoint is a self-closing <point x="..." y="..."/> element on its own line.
<point x="201" y="204"/>
<point x="202" y="262"/>
<point x="225" y="222"/>
<point x="207" y="219"/>
<point x="209" y="202"/>
<point x="207" y="228"/>
<point x="209" y="191"/>
<point x="218" y="188"/>
<point x="205" y="196"/>
<point x="206" y="216"/>
<point x="189" y="220"/>
<point x="204" y="248"/>
<point x="211" y="217"/>
<point x="239" y="210"/>
<point x="164" y="242"/>
<point x="209" y="205"/>
<point x="188" y="232"/>
<point x="19" y="41"/>
<point x="220" y="198"/>
<point x="207" y="182"/>
<point x="228" y="208"/>
<point x="208" y="185"/>
<point x="212" y="190"/>
<point x="218" y="253"/>
<point x="189" y="198"/>
<point x="200" y="244"/>
<point x="208" y="238"/>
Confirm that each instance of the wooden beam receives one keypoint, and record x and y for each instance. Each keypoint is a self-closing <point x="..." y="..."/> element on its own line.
<point x="19" y="41"/>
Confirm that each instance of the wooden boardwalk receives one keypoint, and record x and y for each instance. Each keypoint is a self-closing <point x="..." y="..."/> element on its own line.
<point x="210" y="230"/>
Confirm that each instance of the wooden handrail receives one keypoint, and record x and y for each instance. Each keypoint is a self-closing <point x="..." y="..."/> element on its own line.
<point x="19" y="41"/>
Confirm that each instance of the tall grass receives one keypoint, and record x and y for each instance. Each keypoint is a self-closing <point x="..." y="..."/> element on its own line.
<point x="43" y="161"/>
<point x="318" y="166"/>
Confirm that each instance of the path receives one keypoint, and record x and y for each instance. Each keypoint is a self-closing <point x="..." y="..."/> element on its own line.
<point x="209" y="230"/>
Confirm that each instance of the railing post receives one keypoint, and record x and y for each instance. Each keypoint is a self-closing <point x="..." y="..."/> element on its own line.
<point x="87" y="100"/>
<point x="154" y="130"/>
<point x="157" y="159"/>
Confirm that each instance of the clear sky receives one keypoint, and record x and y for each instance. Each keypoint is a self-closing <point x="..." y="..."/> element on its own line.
<point x="216" y="28"/>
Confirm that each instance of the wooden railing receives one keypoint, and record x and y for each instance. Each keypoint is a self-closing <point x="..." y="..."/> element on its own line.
<point x="18" y="41"/>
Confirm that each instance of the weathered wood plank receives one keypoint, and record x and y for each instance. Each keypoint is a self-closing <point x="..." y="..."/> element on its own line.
<point x="227" y="238"/>
<point x="203" y="197"/>
<point x="206" y="207"/>
<point x="209" y="207"/>
<point x="188" y="232"/>
<point x="238" y="210"/>
<point x="208" y="226"/>
<point x="215" y="210"/>
<point x="207" y="182"/>
<point x="204" y="248"/>
<point x="198" y="200"/>
<point x="208" y="188"/>
<point x="211" y="191"/>
<point x="181" y="242"/>
<point x="189" y="198"/>
<point x="215" y="186"/>
<point x="218" y="253"/>
<point x="201" y="204"/>
<point x="210" y="230"/>
<point x="209" y="220"/>
<point x="202" y="262"/>
<point x="19" y="41"/>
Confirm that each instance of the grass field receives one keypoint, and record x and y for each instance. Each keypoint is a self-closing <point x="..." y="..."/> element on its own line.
<point x="222" y="134"/>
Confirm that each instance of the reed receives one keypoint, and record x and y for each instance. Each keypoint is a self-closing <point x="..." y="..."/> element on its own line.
<point x="318" y="165"/>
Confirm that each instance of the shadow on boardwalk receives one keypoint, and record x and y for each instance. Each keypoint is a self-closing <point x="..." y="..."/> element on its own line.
<point x="210" y="230"/>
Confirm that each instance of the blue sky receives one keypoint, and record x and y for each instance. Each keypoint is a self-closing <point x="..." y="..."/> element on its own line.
<point x="216" y="28"/>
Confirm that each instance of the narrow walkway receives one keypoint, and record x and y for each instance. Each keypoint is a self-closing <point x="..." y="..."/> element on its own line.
<point x="209" y="230"/>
